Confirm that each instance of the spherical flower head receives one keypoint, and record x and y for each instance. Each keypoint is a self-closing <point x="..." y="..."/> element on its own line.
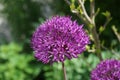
<point x="58" y="39"/>
<point x="107" y="70"/>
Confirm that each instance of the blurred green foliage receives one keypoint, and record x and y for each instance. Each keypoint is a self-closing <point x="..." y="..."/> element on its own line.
<point x="15" y="65"/>
<point x="77" y="69"/>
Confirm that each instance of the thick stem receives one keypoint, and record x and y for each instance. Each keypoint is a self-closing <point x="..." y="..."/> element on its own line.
<point x="97" y="42"/>
<point x="94" y="31"/>
<point x="92" y="9"/>
<point x="64" y="71"/>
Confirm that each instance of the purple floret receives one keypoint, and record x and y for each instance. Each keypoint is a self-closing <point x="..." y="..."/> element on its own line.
<point x="57" y="39"/>
<point x="107" y="70"/>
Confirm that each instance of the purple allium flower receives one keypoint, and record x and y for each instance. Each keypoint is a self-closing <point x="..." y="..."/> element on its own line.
<point x="107" y="70"/>
<point x="57" y="39"/>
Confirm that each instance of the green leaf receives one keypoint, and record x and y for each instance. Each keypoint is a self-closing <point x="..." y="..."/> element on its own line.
<point x="72" y="6"/>
<point x="101" y="29"/>
<point x="107" y="14"/>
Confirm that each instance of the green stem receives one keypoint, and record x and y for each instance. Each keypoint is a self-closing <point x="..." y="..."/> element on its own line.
<point x="93" y="30"/>
<point x="64" y="71"/>
<point x="97" y="42"/>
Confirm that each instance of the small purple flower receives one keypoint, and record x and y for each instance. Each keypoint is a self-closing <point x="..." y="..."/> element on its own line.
<point x="57" y="39"/>
<point x="107" y="70"/>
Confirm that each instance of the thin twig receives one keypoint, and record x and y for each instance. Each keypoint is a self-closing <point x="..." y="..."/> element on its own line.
<point x="96" y="13"/>
<point x="93" y="51"/>
<point x="84" y="11"/>
<point x="68" y="2"/>
<point x="82" y="18"/>
<point x="116" y="33"/>
<point x="106" y="23"/>
<point x="83" y="1"/>
<point x="77" y="13"/>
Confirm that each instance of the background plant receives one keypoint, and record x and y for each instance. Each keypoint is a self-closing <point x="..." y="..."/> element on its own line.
<point x="16" y="65"/>
<point x="23" y="21"/>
